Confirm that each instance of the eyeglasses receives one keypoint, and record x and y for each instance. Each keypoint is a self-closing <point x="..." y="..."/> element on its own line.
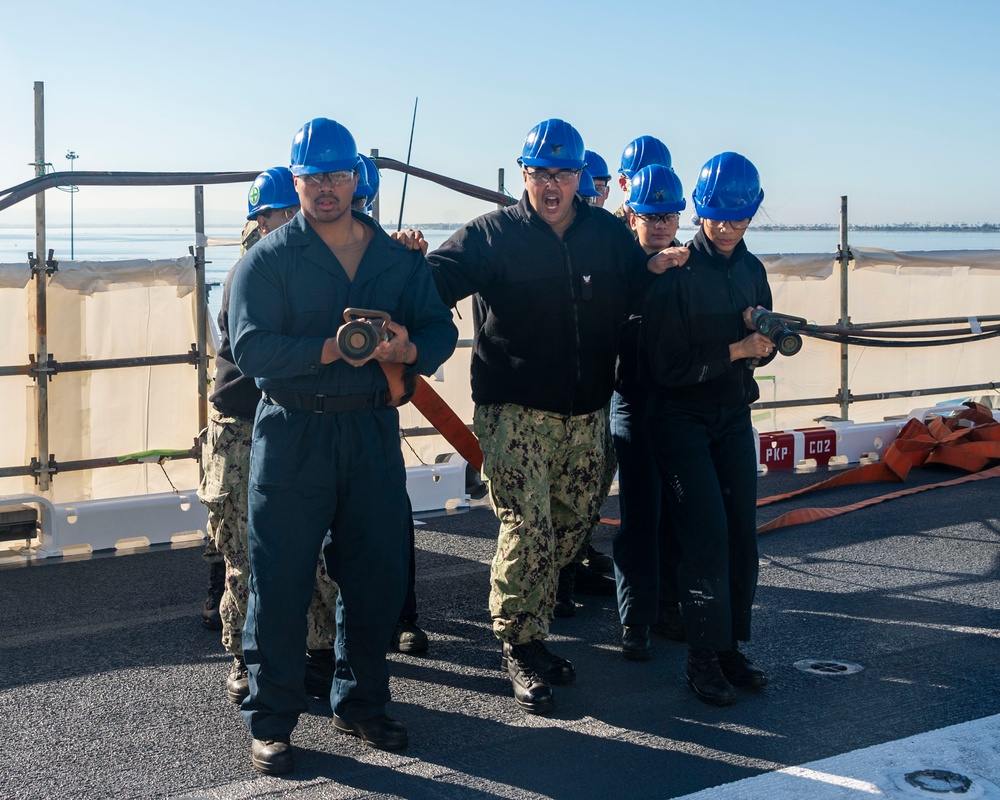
<point x="656" y="219"/>
<point x="540" y="177"/>
<point x="338" y="178"/>
<point x="732" y="224"/>
<point x="602" y="186"/>
<point x="288" y="213"/>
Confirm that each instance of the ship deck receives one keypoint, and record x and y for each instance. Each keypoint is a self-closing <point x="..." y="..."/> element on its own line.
<point x="110" y="687"/>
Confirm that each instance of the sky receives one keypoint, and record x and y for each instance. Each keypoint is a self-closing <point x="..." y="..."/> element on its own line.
<point x="890" y="102"/>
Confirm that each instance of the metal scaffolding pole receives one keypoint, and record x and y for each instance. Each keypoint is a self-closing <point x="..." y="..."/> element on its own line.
<point x="376" y="207"/>
<point x="201" y="312"/>
<point x="40" y="274"/>
<point x="845" y="319"/>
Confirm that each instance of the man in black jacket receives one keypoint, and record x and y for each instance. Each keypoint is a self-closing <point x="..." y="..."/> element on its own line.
<point x="553" y="279"/>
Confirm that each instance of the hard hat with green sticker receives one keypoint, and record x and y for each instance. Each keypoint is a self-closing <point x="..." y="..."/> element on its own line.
<point x="274" y="188"/>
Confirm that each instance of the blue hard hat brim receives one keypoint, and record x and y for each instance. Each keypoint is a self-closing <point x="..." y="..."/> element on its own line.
<point x="658" y="208"/>
<point x="272" y="206"/>
<point x="325" y="166"/>
<point x="598" y="163"/>
<point x="729" y="214"/>
<point x="554" y="163"/>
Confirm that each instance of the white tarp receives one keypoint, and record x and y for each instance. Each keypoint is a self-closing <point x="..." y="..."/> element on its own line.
<point x="111" y="412"/>
<point x="14" y="276"/>
<point x="801" y="266"/>
<point x="924" y="261"/>
<point x="819" y="266"/>
<point x="883" y="286"/>
<point x="88" y="277"/>
<point x="152" y="312"/>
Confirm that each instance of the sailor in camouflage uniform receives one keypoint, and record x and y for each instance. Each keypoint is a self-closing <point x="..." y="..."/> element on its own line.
<point x="226" y="462"/>
<point x="553" y="279"/>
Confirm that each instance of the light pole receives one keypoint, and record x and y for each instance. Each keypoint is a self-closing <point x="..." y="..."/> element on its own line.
<point x="72" y="156"/>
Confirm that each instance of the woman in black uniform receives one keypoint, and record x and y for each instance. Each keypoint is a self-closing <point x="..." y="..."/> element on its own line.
<point x="699" y="350"/>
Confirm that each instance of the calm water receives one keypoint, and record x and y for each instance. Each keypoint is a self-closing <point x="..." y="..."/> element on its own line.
<point x="112" y="243"/>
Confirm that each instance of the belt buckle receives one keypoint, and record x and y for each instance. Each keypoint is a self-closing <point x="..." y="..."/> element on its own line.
<point x="319" y="403"/>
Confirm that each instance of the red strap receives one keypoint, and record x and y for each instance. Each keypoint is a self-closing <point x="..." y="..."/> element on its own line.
<point x="449" y="424"/>
<point x="969" y="441"/>
<point x="804" y="515"/>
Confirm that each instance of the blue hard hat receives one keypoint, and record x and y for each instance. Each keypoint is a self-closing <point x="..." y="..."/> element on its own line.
<point x="368" y="178"/>
<point x="596" y="165"/>
<point x="641" y="153"/>
<point x="273" y="188"/>
<point x="553" y="143"/>
<point x="586" y="187"/>
<point x="656" y="189"/>
<point x="322" y="145"/>
<point x="728" y="188"/>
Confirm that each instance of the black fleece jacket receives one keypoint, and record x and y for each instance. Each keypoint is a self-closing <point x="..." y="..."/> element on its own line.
<point x="547" y="312"/>
<point x="234" y="395"/>
<point x="690" y="317"/>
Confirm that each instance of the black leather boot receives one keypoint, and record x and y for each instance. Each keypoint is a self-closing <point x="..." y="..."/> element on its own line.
<point x="740" y="670"/>
<point x="532" y="692"/>
<point x="409" y="638"/>
<point x="704" y="676"/>
<point x="593" y="583"/>
<point x="553" y="669"/>
<point x="565" y="604"/>
<point x="598" y="561"/>
<point x="670" y="623"/>
<point x="237" y="682"/>
<point x="635" y="643"/>
<point x="216" y="586"/>
<point x="272" y="756"/>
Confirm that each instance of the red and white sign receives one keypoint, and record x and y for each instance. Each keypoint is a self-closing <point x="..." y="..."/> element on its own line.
<point x="785" y="449"/>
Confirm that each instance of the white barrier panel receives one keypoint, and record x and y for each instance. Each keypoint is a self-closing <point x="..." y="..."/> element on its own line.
<point x="115" y="523"/>
<point x="866" y="440"/>
<point x="434" y="486"/>
<point x="839" y="443"/>
<point x="121" y="523"/>
<point x="944" y="411"/>
<point x="835" y="444"/>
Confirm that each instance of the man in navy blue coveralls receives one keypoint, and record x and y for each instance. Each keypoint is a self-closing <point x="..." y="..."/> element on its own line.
<point x="326" y="452"/>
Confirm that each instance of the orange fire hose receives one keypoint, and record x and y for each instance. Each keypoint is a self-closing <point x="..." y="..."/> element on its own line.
<point x="969" y="441"/>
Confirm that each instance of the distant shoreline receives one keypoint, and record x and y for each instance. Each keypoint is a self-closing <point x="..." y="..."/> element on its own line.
<point x="904" y="227"/>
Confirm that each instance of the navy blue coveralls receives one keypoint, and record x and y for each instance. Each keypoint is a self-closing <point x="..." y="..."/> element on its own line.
<point x="341" y="470"/>
<point x="699" y="421"/>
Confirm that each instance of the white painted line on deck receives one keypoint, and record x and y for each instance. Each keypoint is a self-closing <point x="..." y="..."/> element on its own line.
<point x="971" y="749"/>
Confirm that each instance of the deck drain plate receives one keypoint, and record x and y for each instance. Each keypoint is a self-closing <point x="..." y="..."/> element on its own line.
<point x="942" y="782"/>
<point x="820" y="666"/>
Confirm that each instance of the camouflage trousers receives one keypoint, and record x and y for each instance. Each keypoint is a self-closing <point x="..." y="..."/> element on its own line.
<point x="211" y="554"/>
<point x="223" y="490"/>
<point x="610" y="467"/>
<point x="545" y="474"/>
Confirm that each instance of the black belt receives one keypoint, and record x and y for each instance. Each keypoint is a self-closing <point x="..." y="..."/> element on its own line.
<point x="323" y="403"/>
